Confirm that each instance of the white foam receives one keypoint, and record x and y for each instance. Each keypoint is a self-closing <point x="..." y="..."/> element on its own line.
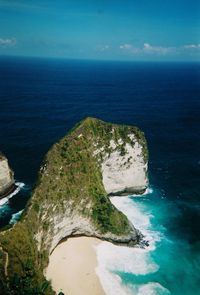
<point x="18" y="188"/>
<point x="112" y="283"/>
<point x="125" y="259"/>
<point x="136" y="261"/>
<point x="148" y="191"/>
<point x="152" y="289"/>
<point x="141" y="219"/>
<point x="113" y="258"/>
<point x="3" y="201"/>
<point x="15" y="217"/>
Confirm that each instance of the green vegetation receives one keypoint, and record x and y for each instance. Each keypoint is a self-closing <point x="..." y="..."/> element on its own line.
<point x="70" y="175"/>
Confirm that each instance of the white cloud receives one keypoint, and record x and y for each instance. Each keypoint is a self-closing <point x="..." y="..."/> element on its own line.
<point x="126" y="46"/>
<point x="148" y="49"/>
<point x="102" y="48"/>
<point x="129" y="48"/>
<point x="147" y="46"/>
<point x="7" y="42"/>
<point x="192" y="46"/>
<point x="105" y="47"/>
<point x="160" y="50"/>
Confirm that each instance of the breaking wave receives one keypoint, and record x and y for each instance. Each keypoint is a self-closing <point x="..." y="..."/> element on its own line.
<point x="5" y="200"/>
<point x="15" y="217"/>
<point x="115" y="263"/>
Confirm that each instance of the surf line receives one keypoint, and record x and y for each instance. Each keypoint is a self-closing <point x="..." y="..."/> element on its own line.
<point x="17" y="187"/>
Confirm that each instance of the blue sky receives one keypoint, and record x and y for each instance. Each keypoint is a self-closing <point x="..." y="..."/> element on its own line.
<point x="101" y="29"/>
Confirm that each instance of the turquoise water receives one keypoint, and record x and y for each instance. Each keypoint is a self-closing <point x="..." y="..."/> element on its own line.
<point x="7" y="213"/>
<point x="168" y="266"/>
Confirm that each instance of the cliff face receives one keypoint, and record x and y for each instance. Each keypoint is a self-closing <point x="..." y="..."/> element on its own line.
<point x="6" y="177"/>
<point x="125" y="171"/>
<point x="95" y="159"/>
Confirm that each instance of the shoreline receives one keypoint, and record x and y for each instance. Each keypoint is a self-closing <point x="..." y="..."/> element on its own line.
<point x="4" y="200"/>
<point x="72" y="267"/>
<point x="8" y="191"/>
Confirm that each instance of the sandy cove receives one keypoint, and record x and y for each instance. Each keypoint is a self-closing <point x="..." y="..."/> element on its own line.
<point x="72" y="266"/>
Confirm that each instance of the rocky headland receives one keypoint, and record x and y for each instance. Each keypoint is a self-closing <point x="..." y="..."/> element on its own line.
<point x="7" y="182"/>
<point x="94" y="160"/>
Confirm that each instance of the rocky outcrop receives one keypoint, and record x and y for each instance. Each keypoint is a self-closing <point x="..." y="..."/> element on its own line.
<point x="71" y="198"/>
<point x="7" y="182"/>
<point x="77" y="225"/>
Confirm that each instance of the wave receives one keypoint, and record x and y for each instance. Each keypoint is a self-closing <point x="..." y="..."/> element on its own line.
<point x="139" y="216"/>
<point x="152" y="289"/>
<point x="148" y="191"/>
<point x="15" y="217"/>
<point x="113" y="260"/>
<point x="19" y="185"/>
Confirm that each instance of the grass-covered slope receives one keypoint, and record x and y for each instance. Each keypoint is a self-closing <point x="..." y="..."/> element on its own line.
<point x="69" y="190"/>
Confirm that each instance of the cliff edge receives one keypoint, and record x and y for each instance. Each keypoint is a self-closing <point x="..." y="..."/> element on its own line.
<point x="94" y="160"/>
<point x="7" y="182"/>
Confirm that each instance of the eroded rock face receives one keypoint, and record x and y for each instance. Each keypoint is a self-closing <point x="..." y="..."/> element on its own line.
<point x="71" y="224"/>
<point x="6" y="177"/>
<point x="125" y="173"/>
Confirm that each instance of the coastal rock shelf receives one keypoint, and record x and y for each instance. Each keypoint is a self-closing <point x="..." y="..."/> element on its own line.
<point x="96" y="159"/>
<point x="7" y="182"/>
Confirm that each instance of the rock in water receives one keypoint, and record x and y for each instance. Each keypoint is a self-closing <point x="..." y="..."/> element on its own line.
<point x="94" y="160"/>
<point x="7" y="182"/>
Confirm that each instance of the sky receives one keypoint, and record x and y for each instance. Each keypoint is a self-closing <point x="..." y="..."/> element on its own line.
<point x="149" y="30"/>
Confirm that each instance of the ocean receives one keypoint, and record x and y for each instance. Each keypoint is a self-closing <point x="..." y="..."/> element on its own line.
<point x="41" y="99"/>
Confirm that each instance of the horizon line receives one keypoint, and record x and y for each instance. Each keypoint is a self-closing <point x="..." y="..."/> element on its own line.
<point x="99" y="60"/>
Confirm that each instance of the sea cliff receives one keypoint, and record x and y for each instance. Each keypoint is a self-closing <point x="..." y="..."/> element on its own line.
<point x="94" y="160"/>
<point x="7" y="182"/>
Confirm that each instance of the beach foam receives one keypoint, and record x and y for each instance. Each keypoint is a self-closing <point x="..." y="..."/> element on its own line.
<point x="15" y="217"/>
<point x="113" y="259"/>
<point x="152" y="289"/>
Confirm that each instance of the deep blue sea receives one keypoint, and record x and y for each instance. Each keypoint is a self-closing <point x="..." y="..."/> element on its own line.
<point x="41" y="99"/>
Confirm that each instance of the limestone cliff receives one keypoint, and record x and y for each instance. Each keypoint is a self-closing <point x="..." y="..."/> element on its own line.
<point x="6" y="177"/>
<point x="124" y="168"/>
<point x="71" y="198"/>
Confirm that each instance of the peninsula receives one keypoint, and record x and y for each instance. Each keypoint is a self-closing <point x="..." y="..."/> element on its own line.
<point x="71" y="199"/>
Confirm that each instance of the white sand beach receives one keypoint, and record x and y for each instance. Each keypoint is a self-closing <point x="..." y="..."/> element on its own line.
<point x="72" y="266"/>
